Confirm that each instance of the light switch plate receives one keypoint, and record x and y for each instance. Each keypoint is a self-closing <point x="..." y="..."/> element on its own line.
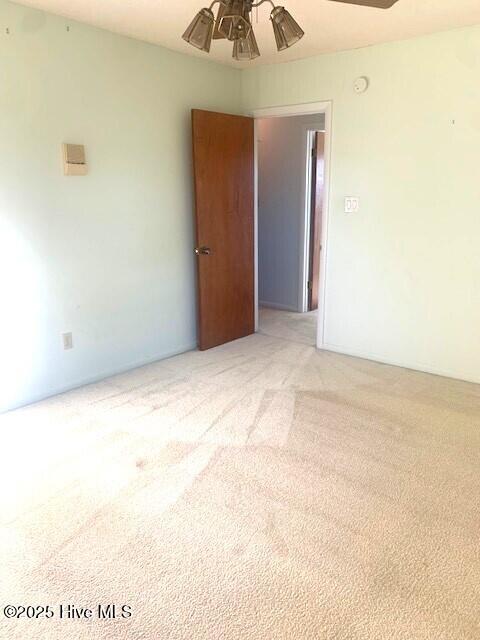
<point x="67" y="339"/>
<point x="352" y="204"/>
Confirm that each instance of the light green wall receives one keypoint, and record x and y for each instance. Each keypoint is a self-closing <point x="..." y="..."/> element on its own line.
<point x="403" y="277"/>
<point x="107" y="256"/>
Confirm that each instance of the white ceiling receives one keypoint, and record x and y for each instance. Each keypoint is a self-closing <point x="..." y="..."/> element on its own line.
<point x="328" y="26"/>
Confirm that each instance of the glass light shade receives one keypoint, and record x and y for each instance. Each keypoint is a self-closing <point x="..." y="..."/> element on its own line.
<point x="246" y="48"/>
<point x="285" y="29"/>
<point x="234" y="23"/>
<point x="217" y="35"/>
<point x="199" y="33"/>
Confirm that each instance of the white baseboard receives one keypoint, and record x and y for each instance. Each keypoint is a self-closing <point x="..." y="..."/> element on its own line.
<point x="99" y="377"/>
<point x="276" y="305"/>
<point x="413" y="366"/>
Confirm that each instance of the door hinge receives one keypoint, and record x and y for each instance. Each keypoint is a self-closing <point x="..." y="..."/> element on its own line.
<point x="309" y="284"/>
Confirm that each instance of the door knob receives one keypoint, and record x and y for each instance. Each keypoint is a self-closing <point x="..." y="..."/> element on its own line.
<point x="204" y="251"/>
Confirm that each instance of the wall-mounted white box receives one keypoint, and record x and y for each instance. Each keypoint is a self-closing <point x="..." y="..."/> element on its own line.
<point x="74" y="162"/>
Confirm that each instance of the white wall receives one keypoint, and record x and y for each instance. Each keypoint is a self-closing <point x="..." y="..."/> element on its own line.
<point x="403" y="276"/>
<point x="108" y="256"/>
<point x="282" y="153"/>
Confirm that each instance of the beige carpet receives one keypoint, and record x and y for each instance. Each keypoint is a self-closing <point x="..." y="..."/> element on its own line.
<point x="299" y="327"/>
<point x="257" y="491"/>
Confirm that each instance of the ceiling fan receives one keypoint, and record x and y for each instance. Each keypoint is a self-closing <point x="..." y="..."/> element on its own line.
<point x="379" y="4"/>
<point x="233" y="22"/>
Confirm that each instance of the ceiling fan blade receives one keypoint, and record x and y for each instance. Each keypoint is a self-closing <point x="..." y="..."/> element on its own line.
<point x="379" y="4"/>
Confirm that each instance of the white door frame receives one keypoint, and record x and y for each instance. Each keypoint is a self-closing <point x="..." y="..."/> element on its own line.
<point x="309" y="108"/>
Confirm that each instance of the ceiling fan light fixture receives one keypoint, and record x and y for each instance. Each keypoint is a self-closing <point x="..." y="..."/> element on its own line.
<point x="200" y="31"/>
<point x="233" y="22"/>
<point x="286" y="30"/>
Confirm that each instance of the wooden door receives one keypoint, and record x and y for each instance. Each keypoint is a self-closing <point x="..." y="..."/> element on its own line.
<point x="224" y="193"/>
<point x="317" y="182"/>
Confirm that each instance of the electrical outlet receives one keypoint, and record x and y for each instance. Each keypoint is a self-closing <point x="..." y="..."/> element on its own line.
<point x="352" y="205"/>
<point x="67" y="340"/>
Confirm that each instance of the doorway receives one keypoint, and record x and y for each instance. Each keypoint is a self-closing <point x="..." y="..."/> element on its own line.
<point x="290" y="219"/>
<point x="227" y="223"/>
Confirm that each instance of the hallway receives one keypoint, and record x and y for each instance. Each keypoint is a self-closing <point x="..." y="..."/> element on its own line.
<point x="297" y="327"/>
